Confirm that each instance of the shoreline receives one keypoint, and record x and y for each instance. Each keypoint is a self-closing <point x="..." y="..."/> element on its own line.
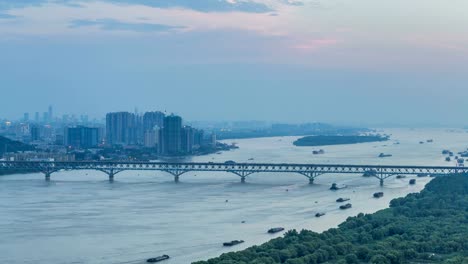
<point x="405" y="220"/>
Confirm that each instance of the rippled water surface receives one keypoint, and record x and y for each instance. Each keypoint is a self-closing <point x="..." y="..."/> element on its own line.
<point x="79" y="217"/>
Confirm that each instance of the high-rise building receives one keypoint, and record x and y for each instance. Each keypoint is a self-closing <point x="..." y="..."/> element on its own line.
<point x="198" y="138"/>
<point x="50" y="114"/>
<point x="45" y="117"/>
<point x="187" y="139"/>
<point x="81" y="137"/>
<point x="35" y="133"/>
<point x="152" y="138"/>
<point x="172" y="135"/>
<point x="213" y="141"/>
<point x="36" y="117"/>
<point x="26" y="117"/>
<point x="152" y="119"/>
<point x="121" y="128"/>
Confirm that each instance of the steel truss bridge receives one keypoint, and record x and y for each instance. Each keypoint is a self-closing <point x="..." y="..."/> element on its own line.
<point x="243" y="170"/>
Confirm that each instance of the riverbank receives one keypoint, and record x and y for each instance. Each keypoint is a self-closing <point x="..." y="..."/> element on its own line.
<point x="315" y="141"/>
<point x="143" y="214"/>
<point x="422" y="227"/>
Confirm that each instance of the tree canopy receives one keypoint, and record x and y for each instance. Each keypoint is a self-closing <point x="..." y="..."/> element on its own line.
<point x="426" y="227"/>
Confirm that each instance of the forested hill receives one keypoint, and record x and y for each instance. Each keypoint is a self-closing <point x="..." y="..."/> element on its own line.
<point x="427" y="227"/>
<point x="12" y="146"/>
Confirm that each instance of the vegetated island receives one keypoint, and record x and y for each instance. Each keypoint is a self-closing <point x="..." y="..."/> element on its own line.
<point x="426" y="227"/>
<point x="326" y="140"/>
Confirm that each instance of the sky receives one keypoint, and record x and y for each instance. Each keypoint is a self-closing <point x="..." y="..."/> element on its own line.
<point x="339" y="61"/>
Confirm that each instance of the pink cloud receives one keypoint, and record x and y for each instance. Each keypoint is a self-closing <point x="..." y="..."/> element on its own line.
<point x="315" y="44"/>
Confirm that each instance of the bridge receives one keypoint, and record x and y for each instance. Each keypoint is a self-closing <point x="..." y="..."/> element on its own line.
<point x="243" y="170"/>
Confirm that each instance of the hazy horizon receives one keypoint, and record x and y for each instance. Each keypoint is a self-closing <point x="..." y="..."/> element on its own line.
<point x="294" y="61"/>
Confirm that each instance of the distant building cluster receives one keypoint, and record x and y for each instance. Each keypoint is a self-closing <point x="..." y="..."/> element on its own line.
<point x="120" y="135"/>
<point x="166" y="134"/>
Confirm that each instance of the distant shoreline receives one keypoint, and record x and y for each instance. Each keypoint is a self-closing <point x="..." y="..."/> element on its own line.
<point x="315" y="141"/>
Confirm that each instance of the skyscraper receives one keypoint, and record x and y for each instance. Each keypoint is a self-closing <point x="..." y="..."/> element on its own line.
<point x="152" y="138"/>
<point x="152" y="119"/>
<point x="172" y="135"/>
<point x="121" y="128"/>
<point x="50" y="114"/>
<point x="45" y="117"/>
<point x="187" y="139"/>
<point x="81" y="137"/>
<point x="35" y="133"/>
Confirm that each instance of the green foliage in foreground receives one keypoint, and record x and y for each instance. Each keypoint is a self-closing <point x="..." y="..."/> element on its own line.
<point x="426" y="227"/>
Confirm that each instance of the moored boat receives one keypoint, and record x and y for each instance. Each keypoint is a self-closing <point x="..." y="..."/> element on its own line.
<point x="319" y="214"/>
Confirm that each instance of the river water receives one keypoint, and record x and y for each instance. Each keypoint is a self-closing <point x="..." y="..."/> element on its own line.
<point x="79" y="217"/>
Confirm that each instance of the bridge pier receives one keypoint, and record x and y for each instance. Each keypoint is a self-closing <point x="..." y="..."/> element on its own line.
<point x="243" y="179"/>
<point x="176" y="178"/>
<point x="111" y="177"/>
<point x="311" y="180"/>
<point x="381" y="182"/>
<point x="47" y="176"/>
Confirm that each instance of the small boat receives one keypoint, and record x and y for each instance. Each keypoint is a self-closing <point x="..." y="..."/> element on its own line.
<point x="401" y="176"/>
<point x="233" y="243"/>
<point x="448" y="159"/>
<point x="369" y="173"/>
<point x="340" y="200"/>
<point x="382" y="155"/>
<point x="318" y="152"/>
<point x="429" y="140"/>
<point x="243" y="222"/>
<point x="275" y="230"/>
<point x="445" y="152"/>
<point x="157" y="259"/>
<point x="412" y="181"/>
<point x="319" y="214"/>
<point x="346" y="206"/>
<point x="421" y="142"/>
<point x="251" y="159"/>
<point x="378" y="194"/>
<point x="335" y="187"/>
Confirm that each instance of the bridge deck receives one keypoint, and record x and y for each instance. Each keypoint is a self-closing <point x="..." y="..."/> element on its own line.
<point x="311" y="171"/>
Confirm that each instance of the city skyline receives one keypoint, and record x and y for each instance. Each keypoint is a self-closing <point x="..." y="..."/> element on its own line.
<point x="79" y="118"/>
<point x="330" y="61"/>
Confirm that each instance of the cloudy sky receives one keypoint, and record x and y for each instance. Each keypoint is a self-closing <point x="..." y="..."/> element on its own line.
<point x="360" y="61"/>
